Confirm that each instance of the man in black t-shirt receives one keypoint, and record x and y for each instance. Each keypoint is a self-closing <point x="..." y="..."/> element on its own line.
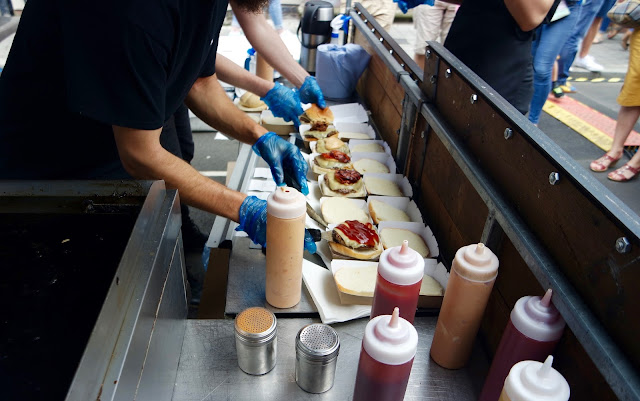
<point x="88" y="85"/>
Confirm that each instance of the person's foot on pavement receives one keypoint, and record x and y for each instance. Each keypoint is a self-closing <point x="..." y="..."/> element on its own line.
<point x="588" y="63"/>
<point x="557" y="90"/>
<point x="599" y="38"/>
<point x="566" y="88"/>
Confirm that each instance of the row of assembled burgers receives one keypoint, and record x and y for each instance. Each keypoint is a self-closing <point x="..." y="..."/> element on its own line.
<point x="367" y="207"/>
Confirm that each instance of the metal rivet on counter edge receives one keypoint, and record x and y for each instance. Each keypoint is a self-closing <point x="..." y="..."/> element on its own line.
<point x="623" y="245"/>
<point x="473" y="99"/>
<point x="432" y="79"/>
<point x="381" y="39"/>
<point x="554" y="178"/>
<point x="373" y="30"/>
<point x="391" y="51"/>
<point x="508" y="133"/>
<point x="428" y="53"/>
<point x="447" y="73"/>
<point x="421" y="136"/>
<point x="366" y="20"/>
<point x="359" y="13"/>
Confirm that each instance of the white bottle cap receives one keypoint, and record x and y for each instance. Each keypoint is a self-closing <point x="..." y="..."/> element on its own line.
<point x="286" y="203"/>
<point x="535" y="381"/>
<point x="390" y="339"/>
<point x="401" y="265"/>
<point x="476" y="263"/>
<point x="537" y="318"/>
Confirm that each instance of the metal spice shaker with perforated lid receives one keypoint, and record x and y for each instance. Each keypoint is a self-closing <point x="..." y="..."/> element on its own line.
<point x="256" y="341"/>
<point x="317" y="348"/>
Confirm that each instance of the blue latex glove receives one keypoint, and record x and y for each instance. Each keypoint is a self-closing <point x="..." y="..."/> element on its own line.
<point x="253" y="221"/>
<point x="283" y="156"/>
<point x="405" y="5"/>
<point x="310" y="92"/>
<point x="284" y="102"/>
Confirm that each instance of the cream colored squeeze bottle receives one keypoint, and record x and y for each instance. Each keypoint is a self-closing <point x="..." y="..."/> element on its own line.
<point x="286" y="211"/>
<point x="473" y="272"/>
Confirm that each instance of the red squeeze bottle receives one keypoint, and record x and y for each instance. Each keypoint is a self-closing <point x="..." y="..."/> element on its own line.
<point x="388" y="348"/>
<point x="400" y="273"/>
<point x="534" y="329"/>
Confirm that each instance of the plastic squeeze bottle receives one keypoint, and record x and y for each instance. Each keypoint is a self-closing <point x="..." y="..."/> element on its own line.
<point x="473" y="272"/>
<point x="286" y="211"/>
<point x="388" y="348"/>
<point x="535" y="381"/>
<point x="400" y="273"/>
<point x="534" y="329"/>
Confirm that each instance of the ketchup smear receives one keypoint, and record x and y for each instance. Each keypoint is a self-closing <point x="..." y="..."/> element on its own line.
<point x="359" y="232"/>
<point x="337" y="155"/>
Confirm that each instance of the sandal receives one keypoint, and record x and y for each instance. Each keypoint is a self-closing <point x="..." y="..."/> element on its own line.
<point x="603" y="163"/>
<point x="619" y="174"/>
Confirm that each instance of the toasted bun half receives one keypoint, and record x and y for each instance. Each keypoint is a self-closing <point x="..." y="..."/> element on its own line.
<point x="380" y="186"/>
<point x="361" y="281"/>
<point x="338" y="210"/>
<point x="381" y="211"/>
<point x="370" y="166"/>
<point x="315" y="113"/>
<point x="361" y="254"/>
<point x="372" y="147"/>
<point x="391" y="237"/>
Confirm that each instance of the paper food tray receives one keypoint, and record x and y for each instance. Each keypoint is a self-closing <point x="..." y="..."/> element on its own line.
<point x="349" y="113"/>
<point x="402" y="203"/>
<point x="276" y="124"/>
<point x="360" y="203"/>
<point x="353" y="144"/>
<point x="418" y="228"/>
<point x="322" y="288"/>
<point x="399" y="179"/>
<point x="431" y="268"/>
<point x="359" y="128"/>
<point x="383" y="158"/>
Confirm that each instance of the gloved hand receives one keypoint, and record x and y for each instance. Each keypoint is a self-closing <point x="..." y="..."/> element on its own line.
<point x="405" y="5"/>
<point x="284" y="102"/>
<point x="310" y="92"/>
<point x="253" y="221"/>
<point x="283" y="156"/>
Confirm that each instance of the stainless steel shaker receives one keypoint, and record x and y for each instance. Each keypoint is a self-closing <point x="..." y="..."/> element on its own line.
<point x="256" y="341"/>
<point x="317" y="347"/>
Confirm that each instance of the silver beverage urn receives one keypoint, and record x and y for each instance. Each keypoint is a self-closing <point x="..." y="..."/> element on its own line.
<point x="315" y="28"/>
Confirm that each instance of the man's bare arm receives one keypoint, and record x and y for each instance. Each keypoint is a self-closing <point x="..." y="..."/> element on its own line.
<point x="528" y="13"/>
<point x="233" y="74"/>
<point x="144" y="158"/>
<point x="208" y="100"/>
<point x="267" y="42"/>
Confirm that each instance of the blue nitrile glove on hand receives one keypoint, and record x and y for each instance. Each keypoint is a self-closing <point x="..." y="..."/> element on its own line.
<point x="284" y="102"/>
<point x="405" y="5"/>
<point x="283" y="156"/>
<point x="253" y="221"/>
<point x="310" y="92"/>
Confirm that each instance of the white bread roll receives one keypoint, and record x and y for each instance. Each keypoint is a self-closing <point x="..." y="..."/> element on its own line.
<point x="380" y="186"/>
<point x="326" y="145"/>
<point x="368" y="147"/>
<point x="353" y="135"/>
<point x="338" y="210"/>
<point x="370" y="166"/>
<point x="361" y="281"/>
<point x="381" y="211"/>
<point x="391" y="237"/>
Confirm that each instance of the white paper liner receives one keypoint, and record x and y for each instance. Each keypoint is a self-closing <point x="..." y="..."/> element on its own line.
<point x="322" y="287"/>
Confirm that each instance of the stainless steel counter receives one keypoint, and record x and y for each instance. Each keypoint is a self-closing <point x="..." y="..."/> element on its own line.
<point x="246" y="286"/>
<point x="208" y="369"/>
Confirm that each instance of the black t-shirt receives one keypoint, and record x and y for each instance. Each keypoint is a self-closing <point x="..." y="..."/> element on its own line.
<point x="486" y="38"/>
<point x="76" y="67"/>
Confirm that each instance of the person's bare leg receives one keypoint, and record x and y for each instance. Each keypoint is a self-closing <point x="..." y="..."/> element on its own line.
<point x="554" y="71"/>
<point x="419" y="59"/>
<point x="627" y="117"/>
<point x="588" y="38"/>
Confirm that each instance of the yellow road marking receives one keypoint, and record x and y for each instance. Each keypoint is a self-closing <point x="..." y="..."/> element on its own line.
<point x="597" y="80"/>
<point x="615" y="79"/>
<point x="597" y="137"/>
<point x="582" y="79"/>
